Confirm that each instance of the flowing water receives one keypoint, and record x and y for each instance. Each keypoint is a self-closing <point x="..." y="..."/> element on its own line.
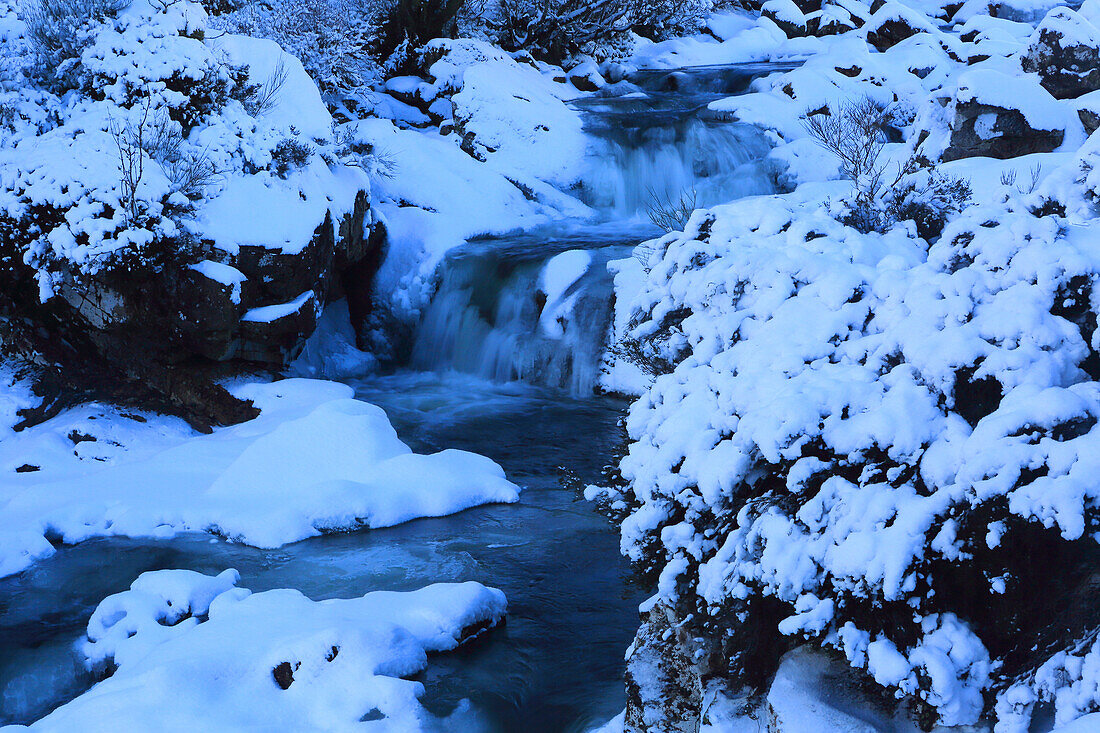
<point x="505" y="363"/>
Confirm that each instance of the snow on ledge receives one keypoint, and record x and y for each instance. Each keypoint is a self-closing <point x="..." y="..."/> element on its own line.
<point x="270" y="313"/>
<point x="201" y="654"/>
<point x="315" y="460"/>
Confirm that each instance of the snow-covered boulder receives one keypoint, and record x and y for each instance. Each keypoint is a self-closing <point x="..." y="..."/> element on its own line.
<point x="1065" y="53"/>
<point x="893" y="23"/>
<point x="1002" y="116"/>
<point x="786" y="15"/>
<point x="194" y="652"/>
<point x="511" y="114"/>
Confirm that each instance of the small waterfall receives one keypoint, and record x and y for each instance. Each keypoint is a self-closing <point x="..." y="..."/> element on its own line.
<point x="521" y="315"/>
<point x="536" y="307"/>
<point x="710" y="162"/>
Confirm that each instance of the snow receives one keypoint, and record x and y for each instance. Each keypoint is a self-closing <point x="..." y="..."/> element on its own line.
<point x="1024" y="93"/>
<point x="177" y="637"/>
<point x="269" y="313"/>
<point x="222" y="273"/>
<point x="314" y="461"/>
<point x="558" y="276"/>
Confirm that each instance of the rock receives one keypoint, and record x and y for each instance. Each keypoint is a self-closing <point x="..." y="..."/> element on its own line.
<point x="273" y="334"/>
<point x="586" y="77"/>
<point x="893" y="23"/>
<point x="999" y="116"/>
<point x="1065" y="52"/>
<point x="832" y="20"/>
<point x="1088" y="111"/>
<point x="663" y="691"/>
<point x="170" y="331"/>
<point x="786" y="15"/>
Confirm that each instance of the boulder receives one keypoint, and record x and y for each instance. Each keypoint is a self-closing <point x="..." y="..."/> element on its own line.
<point x="1065" y="52"/>
<point x="785" y="14"/>
<point x="1088" y="111"/>
<point x="893" y="23"/>
<point x="999" y="116"/>
<point x="832" y="20"/>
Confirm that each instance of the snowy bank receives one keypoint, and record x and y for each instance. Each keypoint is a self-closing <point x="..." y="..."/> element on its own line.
<point x="315" y="460"/>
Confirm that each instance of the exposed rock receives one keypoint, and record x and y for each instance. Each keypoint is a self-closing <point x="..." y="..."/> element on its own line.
<point x="1065" y="52"/>
<point x="1090" y="118"/>
<point x="663" y="692"/>
<point x="991" y="126"/>
<point x="786" y="15"/>
<point x="892" y="24"/>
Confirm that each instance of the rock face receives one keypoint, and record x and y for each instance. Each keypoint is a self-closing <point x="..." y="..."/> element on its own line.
<point x="663" y="690"/>
<point x="173" y="328"/>
<point x="1065" y="53"/>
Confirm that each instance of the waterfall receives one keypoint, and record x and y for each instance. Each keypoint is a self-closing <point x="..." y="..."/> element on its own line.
<point x="536" y="307"/>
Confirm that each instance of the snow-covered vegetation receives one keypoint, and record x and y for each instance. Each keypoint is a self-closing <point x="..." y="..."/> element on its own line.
<point x="873" y="416"/>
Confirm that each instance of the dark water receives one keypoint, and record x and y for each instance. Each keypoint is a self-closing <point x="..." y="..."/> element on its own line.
<point x="555" y="666"/>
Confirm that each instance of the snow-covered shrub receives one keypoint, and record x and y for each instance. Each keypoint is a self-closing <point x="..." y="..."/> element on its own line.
<point x="289" y="155"/>
<point x="869" y="445"/>
<point x="60" y="30"/>
<point x="857" y="134"/>
<point x="557" y="30"/>
<point x="330" y="37"/>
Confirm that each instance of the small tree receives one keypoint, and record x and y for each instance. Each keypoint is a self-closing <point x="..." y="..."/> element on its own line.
<point x="856" y="133"/>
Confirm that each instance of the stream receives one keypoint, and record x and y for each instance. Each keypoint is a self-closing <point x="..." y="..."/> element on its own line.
<point x="489" y="373"/>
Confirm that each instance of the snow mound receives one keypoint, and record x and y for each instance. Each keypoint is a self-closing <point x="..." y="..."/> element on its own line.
<point x="315" y="460"/>
<point x="194" y="652"/>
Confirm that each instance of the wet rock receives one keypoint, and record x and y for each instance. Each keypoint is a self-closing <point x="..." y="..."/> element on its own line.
<point x="1065" y="53"/>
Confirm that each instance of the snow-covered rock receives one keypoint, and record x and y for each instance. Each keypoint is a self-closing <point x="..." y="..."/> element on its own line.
<point x="156" y="157"/>
<point x="190" y="651"/>
<point x="1065" y="52"/>
<point x="1002" y="116"/>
